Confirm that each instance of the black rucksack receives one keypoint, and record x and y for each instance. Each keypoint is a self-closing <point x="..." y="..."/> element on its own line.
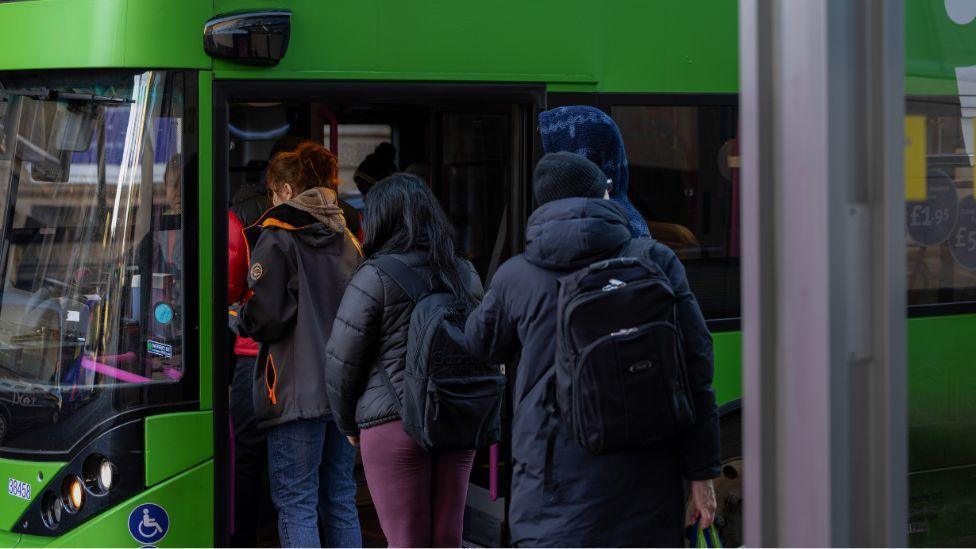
<point x="451" y="399"/>
<point x="620" y="372"/>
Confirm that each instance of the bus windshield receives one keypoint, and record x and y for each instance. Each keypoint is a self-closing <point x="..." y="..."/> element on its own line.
<point x="91" y="250"/>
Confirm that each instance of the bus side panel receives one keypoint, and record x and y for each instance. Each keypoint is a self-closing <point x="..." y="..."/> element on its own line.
<point x="941" y="385"/>
<point x="35" y="475"/>
<point x="621" y="46"/>
<point x="942" y="420"/>
<point x="190" y="512"/>
<point x="728" y="366"/>
<point x="61" y="34"/>
<point x="176" y="442"/>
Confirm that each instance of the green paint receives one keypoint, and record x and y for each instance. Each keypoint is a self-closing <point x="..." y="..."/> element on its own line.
<point x="934" y="47"/>
<point x="637" y="45"/>
<point x="48" y="34"/>
<point x="205" y="220"/>
<point x="8" y="539"/>
<point x="187" y="499"/>
<point x="727" y="380"/>
<point x="941" y="385"/>
<point x="166" y="33"/>
<point x="653" y="46"/>
<point x="176" y="442"/>
<point x="11" y="508"/>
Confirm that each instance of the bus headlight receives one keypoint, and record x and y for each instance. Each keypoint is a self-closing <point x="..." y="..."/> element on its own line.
<point x="99" y="474"/>
<point x="105" y="474"/>
<point x="51" y="509"/>
<point x="72" y="494"/>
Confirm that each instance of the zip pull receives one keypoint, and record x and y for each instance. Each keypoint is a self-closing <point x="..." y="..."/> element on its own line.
<point x="437" y="405"/>
<point x="614" y="284"/>
<point x="625" y="331"/>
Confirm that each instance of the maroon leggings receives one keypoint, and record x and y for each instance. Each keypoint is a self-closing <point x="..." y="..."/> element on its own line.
<point x="419" y="496"/>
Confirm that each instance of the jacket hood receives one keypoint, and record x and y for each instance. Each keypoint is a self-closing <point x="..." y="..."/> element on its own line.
<point x="574" y="232"/>
<point x="591" y="133"/>
<point x="314" y="216"/>
<point x="323" y="205"/>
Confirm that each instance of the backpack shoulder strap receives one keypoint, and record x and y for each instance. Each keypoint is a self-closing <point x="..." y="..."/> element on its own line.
<point x="405" y="277"/>
<point x="636" y="247"/>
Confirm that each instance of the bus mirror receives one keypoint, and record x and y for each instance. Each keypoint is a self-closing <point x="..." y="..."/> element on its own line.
<point x="74" y="126"/>
<point x="254" y="38"/>
<point x="52" y="170"/>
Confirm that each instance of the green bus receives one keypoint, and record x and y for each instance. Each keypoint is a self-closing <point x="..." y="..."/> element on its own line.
<point x="128" y="127"/>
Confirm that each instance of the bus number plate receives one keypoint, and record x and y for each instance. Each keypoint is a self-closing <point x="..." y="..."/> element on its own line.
<point x="18" y="489"/>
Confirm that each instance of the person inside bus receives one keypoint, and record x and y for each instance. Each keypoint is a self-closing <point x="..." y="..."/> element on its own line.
<point x="561" y="494"/>
<point x="591" y="133"/>
<point x="251" y="201"/>
<point x="377" y="165"/>
<point x="302" y="257"/>
<point x="250" y="450"/>
<point x="419" y="496"/>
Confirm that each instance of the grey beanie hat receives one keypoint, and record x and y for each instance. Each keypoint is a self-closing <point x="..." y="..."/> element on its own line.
<point x="567" y="175"/>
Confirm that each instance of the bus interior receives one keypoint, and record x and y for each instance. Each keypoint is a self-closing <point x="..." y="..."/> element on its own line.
<point x="474" y="153"/>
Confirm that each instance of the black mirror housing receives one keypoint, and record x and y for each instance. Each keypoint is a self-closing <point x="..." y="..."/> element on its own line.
<point x="252" y="38"/>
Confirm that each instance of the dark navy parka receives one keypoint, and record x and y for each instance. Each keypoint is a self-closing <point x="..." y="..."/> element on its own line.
<point x="625" y="499"/>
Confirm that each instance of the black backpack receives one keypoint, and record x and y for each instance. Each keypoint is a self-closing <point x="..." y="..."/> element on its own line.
<point x="451" y="399"/>
<point x="620" y="376"/>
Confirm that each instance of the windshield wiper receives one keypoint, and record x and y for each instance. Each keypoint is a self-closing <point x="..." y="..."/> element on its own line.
<point x="47" y="94"/>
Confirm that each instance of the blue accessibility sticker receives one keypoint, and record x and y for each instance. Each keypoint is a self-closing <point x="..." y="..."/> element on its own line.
<point x="148" y="523"/>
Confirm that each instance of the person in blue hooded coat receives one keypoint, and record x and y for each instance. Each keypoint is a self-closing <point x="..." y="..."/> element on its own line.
<point x="592" y="134"/>
<point x="561" y="494"/>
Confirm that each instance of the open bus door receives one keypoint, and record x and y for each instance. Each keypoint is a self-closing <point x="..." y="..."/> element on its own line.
<point x="474" y="144"/>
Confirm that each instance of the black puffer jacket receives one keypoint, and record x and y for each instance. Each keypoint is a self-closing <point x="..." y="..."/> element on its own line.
<point x="370" y="332"/>
<point x="563" y="496"/>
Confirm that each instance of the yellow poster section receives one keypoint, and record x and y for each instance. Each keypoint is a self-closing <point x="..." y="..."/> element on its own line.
<point x="915" y="185"/>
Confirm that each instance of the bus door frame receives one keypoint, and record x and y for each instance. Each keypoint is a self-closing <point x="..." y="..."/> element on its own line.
<point x="526" y="100"/>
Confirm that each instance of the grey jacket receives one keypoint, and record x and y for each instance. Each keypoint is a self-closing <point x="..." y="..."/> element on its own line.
<point x="300" y="262"/>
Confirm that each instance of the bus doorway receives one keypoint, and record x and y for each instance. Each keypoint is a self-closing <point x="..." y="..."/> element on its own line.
<point x="473" y="144"/>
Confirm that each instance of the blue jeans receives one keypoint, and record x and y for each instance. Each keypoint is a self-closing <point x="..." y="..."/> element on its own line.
<point x="310" y="464"/>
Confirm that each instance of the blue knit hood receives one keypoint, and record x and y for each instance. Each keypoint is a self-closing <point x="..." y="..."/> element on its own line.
<point x="589" y="132"/>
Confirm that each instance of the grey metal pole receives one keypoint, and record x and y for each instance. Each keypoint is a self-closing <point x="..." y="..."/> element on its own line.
<point x="822" y="104"/>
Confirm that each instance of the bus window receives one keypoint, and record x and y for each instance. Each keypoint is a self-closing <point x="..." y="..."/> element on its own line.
<point x="91" y="251"/>
<point x="683" y="180"/>
<point x="941" y="228"/>
<point x="475" y="184"/>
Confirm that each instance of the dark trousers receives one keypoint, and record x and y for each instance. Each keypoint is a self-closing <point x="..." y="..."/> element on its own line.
<point x="250" y="455"/>
<point x="419" y="496"/>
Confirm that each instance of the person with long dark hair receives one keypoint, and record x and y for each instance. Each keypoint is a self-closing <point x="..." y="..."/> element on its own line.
<point x="419" y="496"/>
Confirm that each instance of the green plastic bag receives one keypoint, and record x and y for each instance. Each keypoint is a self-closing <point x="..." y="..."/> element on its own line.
<point x="708" y="538"/>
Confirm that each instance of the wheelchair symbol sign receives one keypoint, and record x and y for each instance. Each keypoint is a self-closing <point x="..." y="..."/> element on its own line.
<point x="148" y="523"/>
